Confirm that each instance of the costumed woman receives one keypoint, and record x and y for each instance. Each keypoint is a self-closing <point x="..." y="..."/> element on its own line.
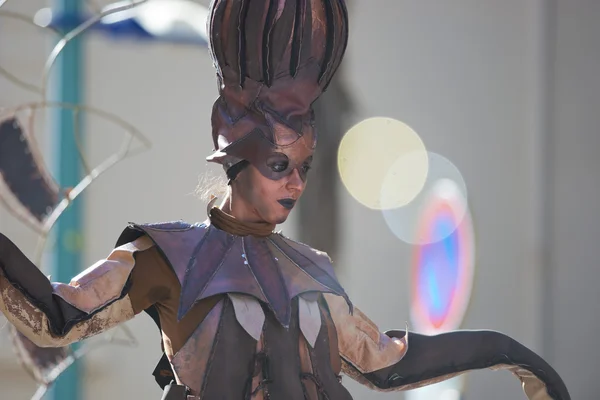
<point x="246" y="313"/>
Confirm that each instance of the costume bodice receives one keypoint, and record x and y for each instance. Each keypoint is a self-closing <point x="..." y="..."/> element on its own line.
<point x="269" y="331"/>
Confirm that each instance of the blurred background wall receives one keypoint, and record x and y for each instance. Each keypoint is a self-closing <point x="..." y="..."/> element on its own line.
<point x="508" y="90"/>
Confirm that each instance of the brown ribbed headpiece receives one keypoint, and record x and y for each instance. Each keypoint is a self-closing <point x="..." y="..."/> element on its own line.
<point x="274" y="58"/>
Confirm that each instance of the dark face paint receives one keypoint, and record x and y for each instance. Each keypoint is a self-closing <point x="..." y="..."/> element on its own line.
<point x="280" y="158"/>
<point x="281" y="166"/>
<point x="278" y="152"/>
<point x="265" y="199"/>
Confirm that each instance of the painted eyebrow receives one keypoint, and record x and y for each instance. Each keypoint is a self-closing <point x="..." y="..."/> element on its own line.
<point x="308" y="159"/>
<point x="278" y="156"/>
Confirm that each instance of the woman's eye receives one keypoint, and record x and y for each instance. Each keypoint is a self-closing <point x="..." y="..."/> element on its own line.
<point x="278" y="162"/>
<point x="305" y="168"/>
<point x="279" y="166"/>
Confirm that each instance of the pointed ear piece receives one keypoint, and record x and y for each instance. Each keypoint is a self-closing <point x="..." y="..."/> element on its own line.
<point x="233" y="171"/>
<point x="211" y="203"/>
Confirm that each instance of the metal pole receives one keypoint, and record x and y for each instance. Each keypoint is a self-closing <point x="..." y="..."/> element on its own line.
<point x="540" y="183"/>
<point x="548" y="164"/>
<point x="66" y="260"/>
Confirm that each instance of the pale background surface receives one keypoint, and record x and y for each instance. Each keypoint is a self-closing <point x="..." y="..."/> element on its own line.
<point x="506" y="89"/>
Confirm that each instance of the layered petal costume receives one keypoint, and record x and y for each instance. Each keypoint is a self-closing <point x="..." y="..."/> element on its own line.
<point x="244" y="312"/>
<point x="251" y="316"/>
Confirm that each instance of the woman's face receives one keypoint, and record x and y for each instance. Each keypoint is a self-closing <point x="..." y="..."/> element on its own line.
<point x="258" y="198"/>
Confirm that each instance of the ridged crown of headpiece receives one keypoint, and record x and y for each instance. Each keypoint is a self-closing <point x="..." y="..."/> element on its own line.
<point x="274" y="58"/>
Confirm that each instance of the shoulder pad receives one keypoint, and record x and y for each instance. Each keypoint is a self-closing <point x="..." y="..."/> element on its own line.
<point x="134" y="231"/>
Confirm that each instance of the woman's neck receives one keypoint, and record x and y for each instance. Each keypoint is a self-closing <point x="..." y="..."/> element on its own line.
<point x="226" y="219"/>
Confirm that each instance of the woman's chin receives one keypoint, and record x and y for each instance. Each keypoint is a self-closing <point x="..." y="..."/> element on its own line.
<point x="281" y="217"/>
<point x="280" y="221"/>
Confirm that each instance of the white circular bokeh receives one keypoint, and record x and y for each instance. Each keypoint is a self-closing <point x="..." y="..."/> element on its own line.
<point x="375" y="148"/>
<point x="443" y="182"/>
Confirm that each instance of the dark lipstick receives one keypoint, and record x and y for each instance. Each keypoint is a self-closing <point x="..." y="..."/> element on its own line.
<point x="287" y="203"/>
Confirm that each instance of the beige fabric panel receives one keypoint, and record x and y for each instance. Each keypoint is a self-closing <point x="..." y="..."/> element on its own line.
<point x="33" y="323"/>
<point x="90" y="291"/>
<point x="103" y="282"/>
<point x="309" y="317"/>
<point x="533" y="387"/>
<point x="359" y="340"/>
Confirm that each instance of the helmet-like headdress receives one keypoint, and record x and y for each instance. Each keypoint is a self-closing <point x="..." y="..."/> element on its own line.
<point x="274" y="58"/>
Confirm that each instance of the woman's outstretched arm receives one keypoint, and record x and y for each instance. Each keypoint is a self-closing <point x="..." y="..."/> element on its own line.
<point x="418" y="360"/>
<point x="106" y="294"/>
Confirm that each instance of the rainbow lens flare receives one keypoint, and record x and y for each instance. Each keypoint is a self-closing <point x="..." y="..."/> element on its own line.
<point x="442" y="270"/>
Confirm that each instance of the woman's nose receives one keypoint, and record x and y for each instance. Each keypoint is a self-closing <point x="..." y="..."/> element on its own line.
<point x="295" y="182"/>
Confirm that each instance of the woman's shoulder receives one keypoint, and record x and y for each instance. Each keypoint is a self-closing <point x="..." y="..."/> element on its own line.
<point x="161" y="231"/>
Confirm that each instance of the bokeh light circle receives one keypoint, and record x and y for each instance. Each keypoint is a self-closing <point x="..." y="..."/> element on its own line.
<point x="369" y="152"/>
<point x="442" y="271"/>
<point x="443" y="181"/>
